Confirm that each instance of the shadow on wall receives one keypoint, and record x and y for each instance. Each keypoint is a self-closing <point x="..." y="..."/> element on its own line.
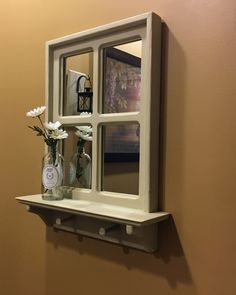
<point x="169" y="262"/>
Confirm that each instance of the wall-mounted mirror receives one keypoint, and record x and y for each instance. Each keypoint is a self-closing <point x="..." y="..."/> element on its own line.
<point x="122" y="77"/>
<point x="77" y="152"/>
<point x="107" y="80"/>
<point x="121" y="158"/>
<point x="77" y="78"/>
<point x="111" y="154"/>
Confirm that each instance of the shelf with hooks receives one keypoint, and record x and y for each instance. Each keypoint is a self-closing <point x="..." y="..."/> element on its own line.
<point x="127" y="227"/>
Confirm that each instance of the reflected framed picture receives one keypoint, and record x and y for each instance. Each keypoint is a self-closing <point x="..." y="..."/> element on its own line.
<point x="121" y="94"/>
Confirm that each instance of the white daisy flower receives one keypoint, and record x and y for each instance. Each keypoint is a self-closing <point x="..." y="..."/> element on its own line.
<point x="52" y="126"/>
<point x="85" y="129"/>
<point x="83" y="136"/>
<point x="58" y="134"/>
<point x="84" y="132"/>
<point x="85" y="114"/>
<point x="36" y="112"/>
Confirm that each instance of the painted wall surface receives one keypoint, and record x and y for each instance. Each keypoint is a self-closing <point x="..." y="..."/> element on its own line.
<point x="197" y="247"/>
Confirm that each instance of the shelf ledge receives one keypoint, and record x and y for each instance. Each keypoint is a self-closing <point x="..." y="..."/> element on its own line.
<point x="98" y="210"/>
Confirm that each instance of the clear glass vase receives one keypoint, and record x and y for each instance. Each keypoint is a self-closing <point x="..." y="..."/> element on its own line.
<point x="80" y="168"/>
<point x="52" y="175"/>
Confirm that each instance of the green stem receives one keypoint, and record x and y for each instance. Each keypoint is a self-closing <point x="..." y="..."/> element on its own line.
<point x="54" y="154"/>
<point x="45" y="132"/>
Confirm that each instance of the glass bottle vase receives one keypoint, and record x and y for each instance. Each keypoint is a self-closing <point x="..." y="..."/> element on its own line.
<point x="80" y="169"/>
<point x="52" y="175"/>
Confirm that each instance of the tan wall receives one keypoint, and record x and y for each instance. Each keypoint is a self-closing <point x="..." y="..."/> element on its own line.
<point x="197" y="249"/>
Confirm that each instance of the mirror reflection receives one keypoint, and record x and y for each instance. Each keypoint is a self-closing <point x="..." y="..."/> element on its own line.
<point x="77" y="84"/>
<point x="121" y="158"/>
<point x="122" y="77"/>
<point x="78" y="156"/>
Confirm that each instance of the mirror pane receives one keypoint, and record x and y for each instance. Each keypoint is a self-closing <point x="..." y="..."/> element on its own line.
<point x="77" y="84"/>
<point x="122" y="77"/>
<point x="120" y="158"/>
<point x="77" y="151"/>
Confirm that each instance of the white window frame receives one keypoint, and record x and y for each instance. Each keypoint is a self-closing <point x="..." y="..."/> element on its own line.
<point x="146" y="27"/>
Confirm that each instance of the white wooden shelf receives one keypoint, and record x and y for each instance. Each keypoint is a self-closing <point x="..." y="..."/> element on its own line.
<point x="98" y="210"/>
<point x="128" y="227"/>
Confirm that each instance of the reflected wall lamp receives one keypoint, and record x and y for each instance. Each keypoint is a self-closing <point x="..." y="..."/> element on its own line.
<point x="85" y="97"/>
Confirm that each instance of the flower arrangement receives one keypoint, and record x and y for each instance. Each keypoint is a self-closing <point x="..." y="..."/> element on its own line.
<point x="84" y="133"/>
<point x="53" y="162"/>
<point x="50" y="131"/>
